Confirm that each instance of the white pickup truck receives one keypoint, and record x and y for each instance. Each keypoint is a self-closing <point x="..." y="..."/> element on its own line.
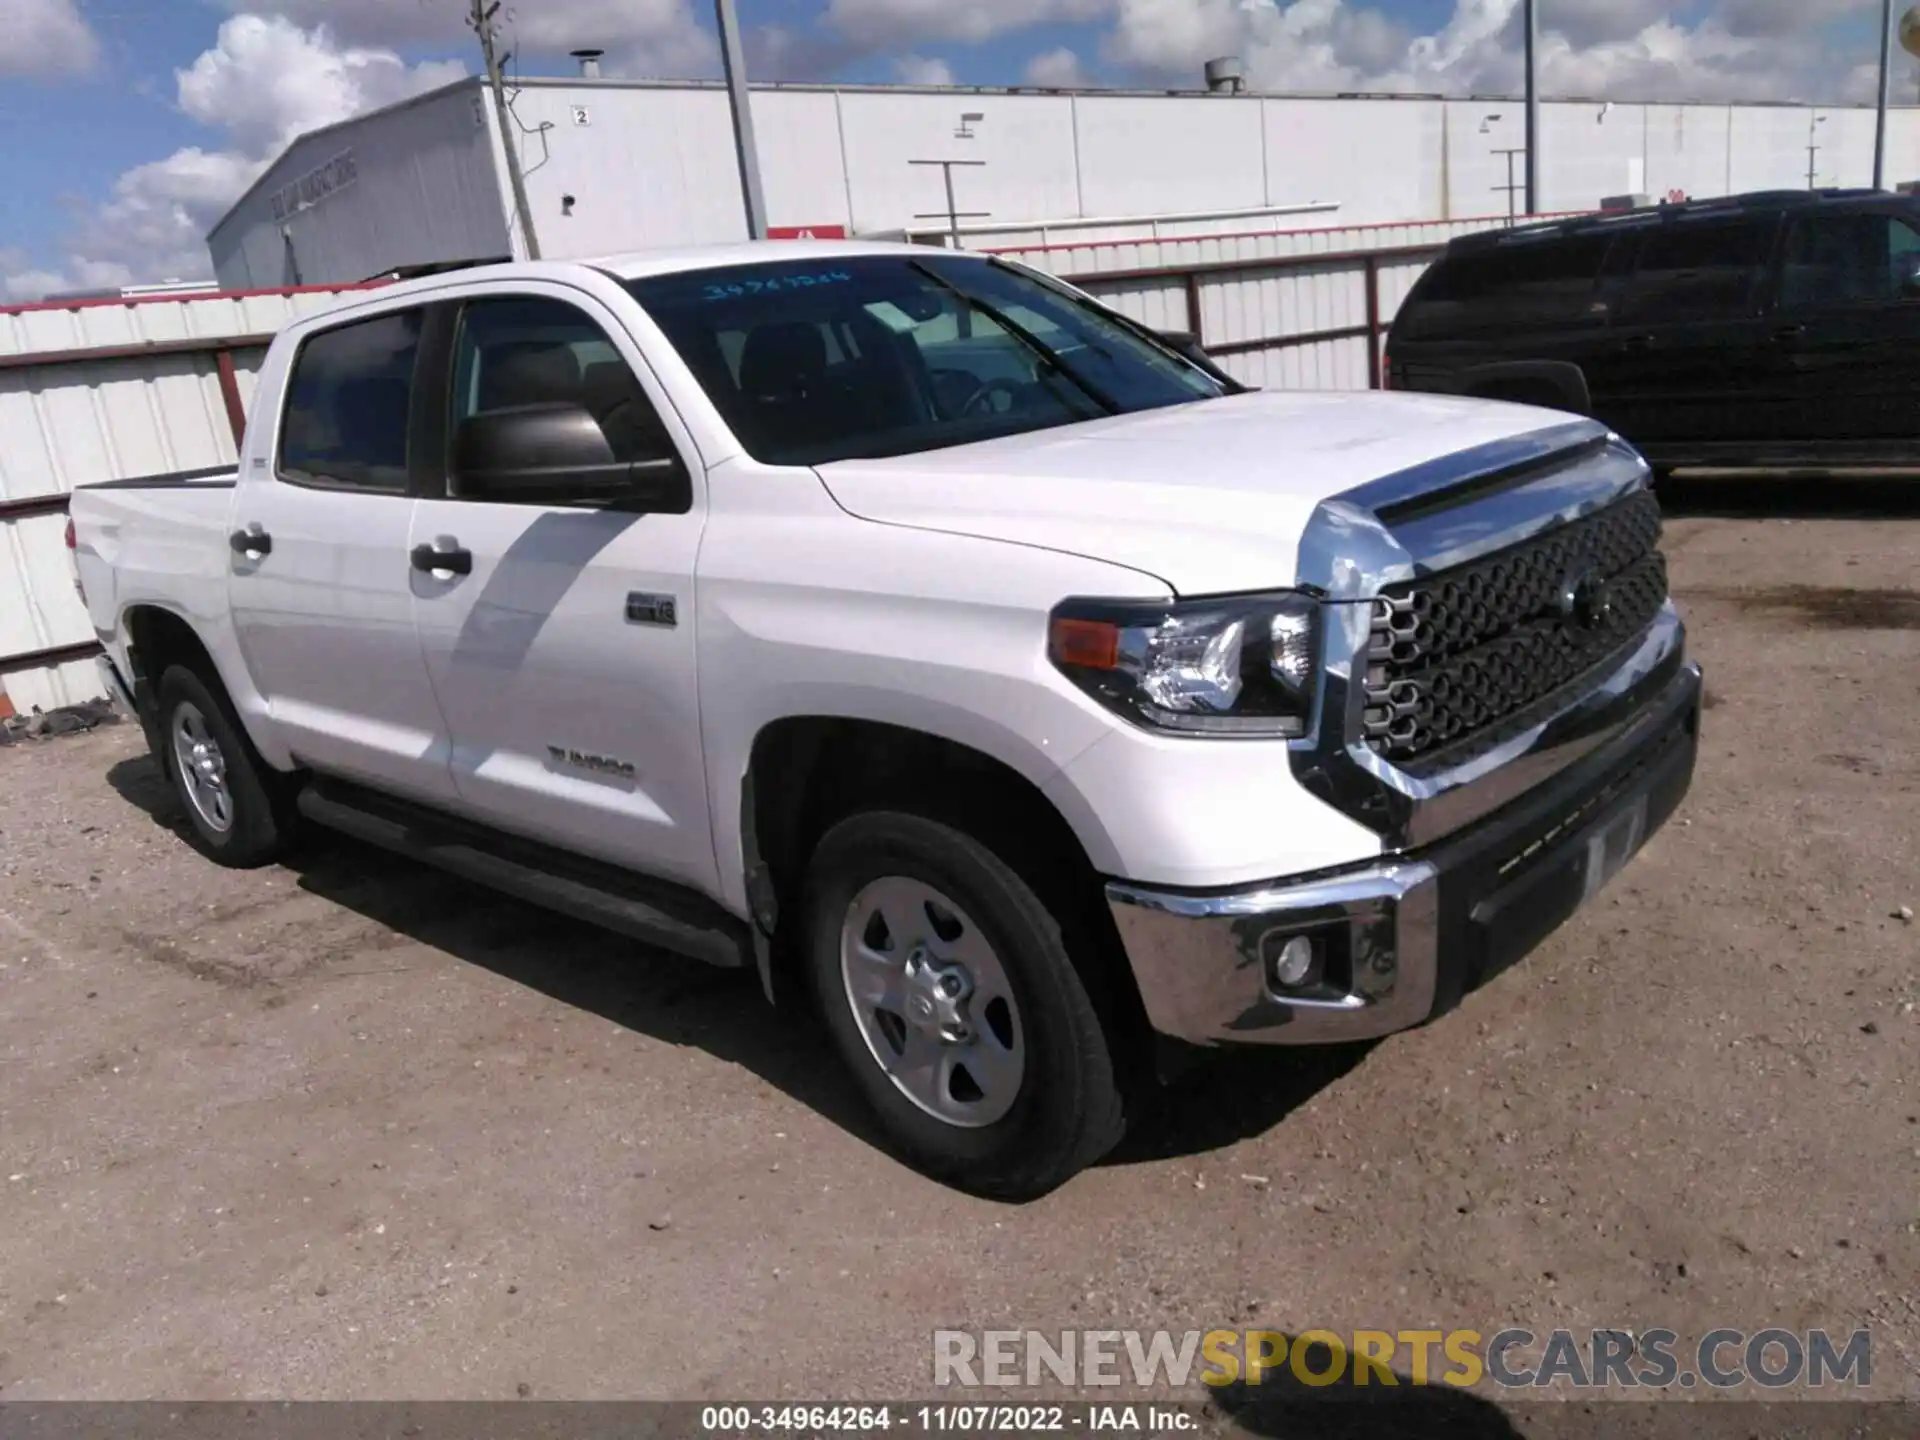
<point x="984" y="669"/>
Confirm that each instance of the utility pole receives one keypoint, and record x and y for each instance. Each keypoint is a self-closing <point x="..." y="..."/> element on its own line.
<point x="1533" y="106"/>
<point x="480" y="21"/>
<point x="953" y="215"/>
<point x="734" y="62"/>
<point x="1886" y="91"/>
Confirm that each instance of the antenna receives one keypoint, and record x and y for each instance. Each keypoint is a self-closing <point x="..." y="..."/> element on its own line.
<point x="481" y="22"/>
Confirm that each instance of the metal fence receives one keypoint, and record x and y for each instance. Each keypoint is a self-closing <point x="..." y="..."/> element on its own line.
<point x="1284" y="310"/>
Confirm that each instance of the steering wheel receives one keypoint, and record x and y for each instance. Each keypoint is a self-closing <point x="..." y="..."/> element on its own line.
<point x="980" y="401"/>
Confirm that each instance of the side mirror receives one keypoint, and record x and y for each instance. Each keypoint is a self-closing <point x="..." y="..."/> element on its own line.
<point x="557" y="454"/>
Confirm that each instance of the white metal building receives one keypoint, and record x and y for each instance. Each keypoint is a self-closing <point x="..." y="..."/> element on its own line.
<point x="615" y="165"/>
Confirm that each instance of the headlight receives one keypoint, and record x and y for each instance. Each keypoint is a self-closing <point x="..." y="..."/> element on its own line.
<point x="1242" y="666"/>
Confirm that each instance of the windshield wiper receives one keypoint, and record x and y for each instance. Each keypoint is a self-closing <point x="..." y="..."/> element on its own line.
<point x="1041" y="351"/>
<point x="1228" y="385"/>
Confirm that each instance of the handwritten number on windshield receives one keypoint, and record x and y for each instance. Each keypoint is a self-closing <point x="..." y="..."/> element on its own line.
<point x="743" y="289"/>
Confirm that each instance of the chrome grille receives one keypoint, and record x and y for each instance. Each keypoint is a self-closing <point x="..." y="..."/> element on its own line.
<point x="1461" y="657"/>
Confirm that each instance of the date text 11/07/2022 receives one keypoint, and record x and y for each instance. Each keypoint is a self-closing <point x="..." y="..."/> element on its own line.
<point x="945" y="1419"/>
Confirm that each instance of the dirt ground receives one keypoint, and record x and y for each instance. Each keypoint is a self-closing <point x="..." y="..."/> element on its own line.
<point x="351" y="1129"/>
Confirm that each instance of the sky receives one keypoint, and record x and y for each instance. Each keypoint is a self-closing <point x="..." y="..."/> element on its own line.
<point x="135" y="123"/>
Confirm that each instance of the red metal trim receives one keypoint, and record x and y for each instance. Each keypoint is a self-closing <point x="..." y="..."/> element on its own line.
<point x="1373" y="322"/>
<point x="94" y="302"/>
<point x="196" y="346"/>
<point x="1492" y="222"/>
<point x="56" y="655"/>
<point x="1264" y="264"/>
<point x="1287" y="342"/>
<point x="33" y="505"/>
<point x="230" y="392"/>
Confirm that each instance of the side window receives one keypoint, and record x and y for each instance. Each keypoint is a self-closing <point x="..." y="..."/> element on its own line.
<point x="1847" y="260"/>
<point x="1700" y="270"/>
<point x="348" y="402"/>
<point x="529" y="350"/>
<point x="1533" y="285"/>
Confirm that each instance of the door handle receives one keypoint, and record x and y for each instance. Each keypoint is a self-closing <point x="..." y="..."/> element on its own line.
<point x="454" y="559"/>
<point x="1636" y="344"/>
<point x="1788" y="334"/>
<point x="253" y="542"/>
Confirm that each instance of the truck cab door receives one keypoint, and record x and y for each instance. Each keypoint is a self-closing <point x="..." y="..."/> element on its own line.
<point x="1684" y="367"/>
<point x="319" y="587"/>
<point x="559" y="629"/>
<point x="1845" y="333"/>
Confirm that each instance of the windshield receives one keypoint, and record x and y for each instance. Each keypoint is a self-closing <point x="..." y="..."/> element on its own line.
<point x="845" y="358"/>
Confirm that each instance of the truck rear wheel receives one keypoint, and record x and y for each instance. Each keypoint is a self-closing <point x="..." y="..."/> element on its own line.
<point x="239" y="809"/>
<point x="948" y="990"/>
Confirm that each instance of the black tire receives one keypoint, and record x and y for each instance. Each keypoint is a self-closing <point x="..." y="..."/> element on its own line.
<point x="1069" y="1110"/>
<point x="259" y="798"/>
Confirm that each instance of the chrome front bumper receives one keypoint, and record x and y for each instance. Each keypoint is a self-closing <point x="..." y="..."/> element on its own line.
<point x="1406" y="937"/>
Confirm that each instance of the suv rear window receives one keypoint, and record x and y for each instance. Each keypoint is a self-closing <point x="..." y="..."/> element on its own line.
<point x="1507" y="287"/>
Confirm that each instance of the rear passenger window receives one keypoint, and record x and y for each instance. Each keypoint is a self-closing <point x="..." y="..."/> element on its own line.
<point x="348" y="402"/>
<point x="1523" y="285"/>
<point x="529" y="350"/>
<point x="1847" y="260"/>
<point x="1701" y="270"/>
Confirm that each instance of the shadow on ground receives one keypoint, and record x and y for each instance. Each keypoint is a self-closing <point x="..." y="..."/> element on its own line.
<point x="1790" y="495"/>
<point x="1216" y="1102"/>
<point x="1283" y="1405"/>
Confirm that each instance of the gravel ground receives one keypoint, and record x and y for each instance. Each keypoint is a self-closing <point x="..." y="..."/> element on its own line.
<point x="351" y="1129"/>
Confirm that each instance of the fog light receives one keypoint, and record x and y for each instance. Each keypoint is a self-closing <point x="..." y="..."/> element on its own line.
<point x="1291" y="963"/>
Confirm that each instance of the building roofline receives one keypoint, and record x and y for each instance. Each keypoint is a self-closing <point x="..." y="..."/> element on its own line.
<point x="582" y="82"/>
<point x="352" y="121"/>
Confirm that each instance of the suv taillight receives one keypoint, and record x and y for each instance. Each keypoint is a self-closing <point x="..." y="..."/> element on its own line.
<point x="72" y="543"/>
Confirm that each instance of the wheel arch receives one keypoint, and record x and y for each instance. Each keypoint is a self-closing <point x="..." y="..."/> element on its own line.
<point x="806" y="772"/>
<point x="1558" y="384"/>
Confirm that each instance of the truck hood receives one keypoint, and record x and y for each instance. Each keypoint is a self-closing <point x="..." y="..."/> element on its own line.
<point x="1209" y="498"/>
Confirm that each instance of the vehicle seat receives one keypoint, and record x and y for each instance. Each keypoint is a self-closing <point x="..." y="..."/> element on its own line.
<point x="627" y="417"/>
<point x="529" y="372"/>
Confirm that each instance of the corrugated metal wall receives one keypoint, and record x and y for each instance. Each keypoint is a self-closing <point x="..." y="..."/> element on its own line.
<point x="1253" y="315"/>
<point x="107" y="390"/>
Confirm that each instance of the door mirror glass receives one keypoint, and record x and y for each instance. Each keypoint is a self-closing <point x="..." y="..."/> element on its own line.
<point x="1910" y="276"/>
<point x="556" y="453"/>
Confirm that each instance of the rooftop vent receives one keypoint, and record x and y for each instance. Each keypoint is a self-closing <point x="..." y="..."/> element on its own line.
<point x="589" y="62"/>
<point x="1226" y="76"/>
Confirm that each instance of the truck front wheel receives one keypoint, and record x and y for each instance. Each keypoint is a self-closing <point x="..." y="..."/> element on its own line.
<point x="239" y="809"/>
<point x="947" y="988"/>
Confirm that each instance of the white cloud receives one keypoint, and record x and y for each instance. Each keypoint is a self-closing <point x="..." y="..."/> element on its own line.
<point x="263" y="82"/>
<point x="1057" y="69"/>
<point x="1620" y="49"/>
<point x="45" y="37"/>
<point x="642" y="38"/>
<point x="878" y="25"/>
<point x="267" y="80"/>
<point x="923" y="70"/>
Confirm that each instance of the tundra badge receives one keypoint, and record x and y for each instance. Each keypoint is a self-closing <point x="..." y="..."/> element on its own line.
<point x="599" y="764"/>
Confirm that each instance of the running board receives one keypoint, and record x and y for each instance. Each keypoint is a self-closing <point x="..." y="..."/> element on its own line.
<point x="682" y="921"/>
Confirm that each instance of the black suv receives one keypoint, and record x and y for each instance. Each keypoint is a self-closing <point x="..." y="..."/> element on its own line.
<point x="1763" y="329"/>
